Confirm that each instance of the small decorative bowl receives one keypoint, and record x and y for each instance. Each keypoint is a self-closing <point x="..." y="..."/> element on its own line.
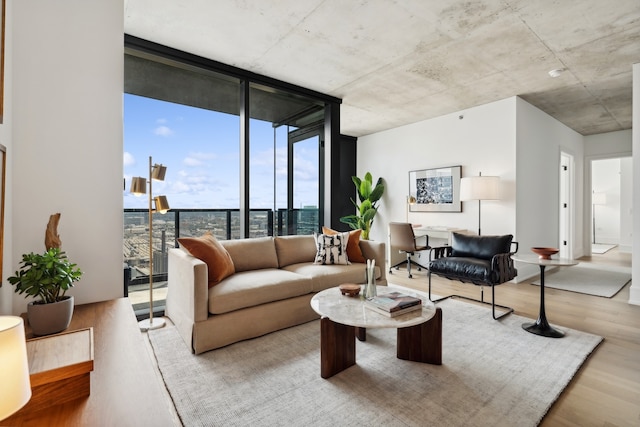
<point x="545" y="253"/>
<point x="350" y="289"/>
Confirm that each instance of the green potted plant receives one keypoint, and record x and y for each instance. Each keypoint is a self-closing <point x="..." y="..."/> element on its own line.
<point x="47" y="276"/>
<point x="369" y="196"/>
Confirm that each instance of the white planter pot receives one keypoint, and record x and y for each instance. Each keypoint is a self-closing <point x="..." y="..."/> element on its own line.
<point x="47" y="319"/>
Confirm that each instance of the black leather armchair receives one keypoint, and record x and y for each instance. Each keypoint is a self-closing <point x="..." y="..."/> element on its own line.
<point x="481" y="260"/>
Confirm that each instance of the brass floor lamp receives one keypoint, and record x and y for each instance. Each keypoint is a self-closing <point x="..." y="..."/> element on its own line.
<point x="139" y="187"/>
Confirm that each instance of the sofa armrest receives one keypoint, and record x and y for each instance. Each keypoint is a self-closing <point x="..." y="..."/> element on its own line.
<point x="187" y="293"/>
<point x="376" y="250"/>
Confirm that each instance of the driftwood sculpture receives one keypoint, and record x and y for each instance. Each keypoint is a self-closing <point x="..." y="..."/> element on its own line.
<point x="51" y="237"/>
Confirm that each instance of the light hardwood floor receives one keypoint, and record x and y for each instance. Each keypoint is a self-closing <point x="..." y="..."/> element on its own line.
<point x="606" y="390"/>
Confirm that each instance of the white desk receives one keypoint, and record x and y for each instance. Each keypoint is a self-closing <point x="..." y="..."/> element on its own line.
<point x="438" y="236"/>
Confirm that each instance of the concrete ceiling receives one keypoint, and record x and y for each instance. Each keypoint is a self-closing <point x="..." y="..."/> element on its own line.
<point x="395" y="62"/>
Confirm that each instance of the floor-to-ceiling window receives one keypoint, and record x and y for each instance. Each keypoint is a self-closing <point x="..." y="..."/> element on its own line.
<point x="190" y="116"/>
<point x="286" y="131"/>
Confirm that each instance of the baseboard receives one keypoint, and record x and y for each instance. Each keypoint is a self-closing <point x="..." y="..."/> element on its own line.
<point x="634" y="295"/>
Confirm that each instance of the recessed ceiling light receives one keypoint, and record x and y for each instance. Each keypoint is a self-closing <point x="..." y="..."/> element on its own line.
<point x="556" y="72"/>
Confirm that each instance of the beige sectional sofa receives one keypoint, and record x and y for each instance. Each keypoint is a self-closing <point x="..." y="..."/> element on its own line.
<point x="274" y="280"/>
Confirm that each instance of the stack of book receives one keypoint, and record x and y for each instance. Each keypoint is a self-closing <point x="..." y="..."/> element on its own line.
<point x="393" y="304"/>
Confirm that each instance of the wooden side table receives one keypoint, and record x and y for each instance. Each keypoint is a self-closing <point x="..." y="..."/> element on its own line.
<point x="59" y="366"/>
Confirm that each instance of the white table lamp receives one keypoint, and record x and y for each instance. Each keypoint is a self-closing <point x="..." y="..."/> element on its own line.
<point x="15" y="391"/>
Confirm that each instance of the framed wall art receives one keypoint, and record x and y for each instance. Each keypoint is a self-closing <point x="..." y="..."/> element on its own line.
<point x="436" y="190"/>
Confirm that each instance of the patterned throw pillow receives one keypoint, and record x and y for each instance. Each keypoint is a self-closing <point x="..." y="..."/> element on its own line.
<point x="331" y="249"/>
<point x="354" y="253"/>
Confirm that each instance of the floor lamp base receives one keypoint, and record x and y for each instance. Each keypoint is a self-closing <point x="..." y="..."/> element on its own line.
<point x="150" y="324"/>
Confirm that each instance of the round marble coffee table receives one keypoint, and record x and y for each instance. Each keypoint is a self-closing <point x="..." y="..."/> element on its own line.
<point x="541" y="326"/>
<point x="419" y="336"/>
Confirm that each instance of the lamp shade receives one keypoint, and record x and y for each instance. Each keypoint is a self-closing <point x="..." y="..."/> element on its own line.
<point x="14" y="369"/>
<point x="480" y="188"/>
<point x="162" y="204"/>
<point x="138" y="186"/>
<point x="158" y="172"/>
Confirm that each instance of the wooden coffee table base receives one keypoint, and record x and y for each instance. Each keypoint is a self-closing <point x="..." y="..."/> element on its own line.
<point x="419" y="343"/>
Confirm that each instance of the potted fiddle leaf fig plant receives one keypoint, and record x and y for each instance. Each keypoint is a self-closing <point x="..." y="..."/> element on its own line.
<point x="369" y="197"/>
<point x="47" y="276"/>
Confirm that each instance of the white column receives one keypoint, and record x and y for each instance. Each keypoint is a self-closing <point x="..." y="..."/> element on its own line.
<point x="634" y="294"/>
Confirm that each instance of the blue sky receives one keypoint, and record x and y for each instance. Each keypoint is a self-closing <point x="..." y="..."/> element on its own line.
<point x="201" y="151"/>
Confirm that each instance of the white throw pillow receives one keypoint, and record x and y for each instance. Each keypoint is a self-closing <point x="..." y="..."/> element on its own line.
<point x="331" y="249"/>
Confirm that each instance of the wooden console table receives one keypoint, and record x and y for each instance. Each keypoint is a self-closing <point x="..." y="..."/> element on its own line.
<point x="126" y="389"/>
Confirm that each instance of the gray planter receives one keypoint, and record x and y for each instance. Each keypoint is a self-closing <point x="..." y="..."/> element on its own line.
<point x="47" y="319"/>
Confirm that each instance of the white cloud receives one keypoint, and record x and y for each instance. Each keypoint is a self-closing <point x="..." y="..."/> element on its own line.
<point x="180" y="187"/>
<point x="196" y="159"/>
<point x="192" y="162"/>
<point x="128" y="160"/>
<point x="163" y="131"/>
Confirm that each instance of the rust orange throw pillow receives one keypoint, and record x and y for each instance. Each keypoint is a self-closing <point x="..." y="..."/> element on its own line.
<point x="208" y="249"/>
<point x="354" y="253"/>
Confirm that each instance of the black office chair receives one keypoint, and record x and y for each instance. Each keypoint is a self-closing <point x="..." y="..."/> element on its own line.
<point x="401" y="237"/>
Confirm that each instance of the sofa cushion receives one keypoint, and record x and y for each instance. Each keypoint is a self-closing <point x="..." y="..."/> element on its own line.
<point x="484" y="247"/>
<point x="251" y="288"/>
<point x="253" y="253"/>
<point x="327" y="276"/>
<point x="474" y="270"/>
<point x="354" y="253"/>
<point x="295" y="249"/>
<point x="208" y="249"/>
<point x="331" y="249"/>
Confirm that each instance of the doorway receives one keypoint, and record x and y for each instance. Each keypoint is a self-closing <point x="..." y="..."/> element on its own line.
<point x="611" y="198"/>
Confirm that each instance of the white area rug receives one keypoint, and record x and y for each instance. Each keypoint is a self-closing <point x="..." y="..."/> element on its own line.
<point x="585" y="278"/>
<point x="598" y="248"/>
<point x="493" y="374"/>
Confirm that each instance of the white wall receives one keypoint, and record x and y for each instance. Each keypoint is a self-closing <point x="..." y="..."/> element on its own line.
<point x="626" y="204"/>
<point x="608" y="145"/>
<point x="481" y="141"/>
<point x="540" y="140"/>
<point x="67" y="139"/>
